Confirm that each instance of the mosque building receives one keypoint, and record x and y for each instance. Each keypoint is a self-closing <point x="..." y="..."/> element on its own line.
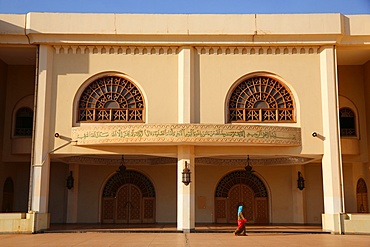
<point x="158" y="118"/>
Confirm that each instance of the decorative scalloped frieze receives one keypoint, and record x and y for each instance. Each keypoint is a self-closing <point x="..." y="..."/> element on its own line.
<point x="116" y="50"/>
<point x="171" y="50"/>
<point x="225" y="50"/>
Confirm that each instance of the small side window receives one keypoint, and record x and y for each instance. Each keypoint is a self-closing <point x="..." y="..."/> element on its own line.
<point x="347" y="122"/>
<point x="23" y="122"/>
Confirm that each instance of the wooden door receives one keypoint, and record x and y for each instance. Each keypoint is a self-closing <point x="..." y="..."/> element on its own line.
<point x="128" y="204"/>
<point x="241" y="194"/>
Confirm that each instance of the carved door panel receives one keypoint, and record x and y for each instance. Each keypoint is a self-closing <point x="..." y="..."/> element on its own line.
<point x="134" y="205"/>
<point x="109" y="207"/>
<point x="261" y="210"/>
<point x="128" y="204"/>
<point x="221" y="210"/>
<point x="149" y="210"/>
<point x="240" y="194"/>
<point x="247" y="197"/>
<point x="234" y="199"/>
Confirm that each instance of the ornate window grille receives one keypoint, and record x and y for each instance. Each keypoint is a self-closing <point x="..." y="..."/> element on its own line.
<point x="347" y="122"/>
<point x="23" y="122"/>
<point x="261" y="99"/>
<point x="111" y="99"/>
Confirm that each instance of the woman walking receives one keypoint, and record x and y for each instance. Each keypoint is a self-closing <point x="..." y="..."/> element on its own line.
<point x="240" y="230"/>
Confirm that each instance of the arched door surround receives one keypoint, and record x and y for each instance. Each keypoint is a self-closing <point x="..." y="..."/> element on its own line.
<point x="128" y="198"/>
<point x="238" y="188"/>
<point x="361" y="191"/>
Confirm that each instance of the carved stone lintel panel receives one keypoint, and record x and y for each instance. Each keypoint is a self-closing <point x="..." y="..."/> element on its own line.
<point x="176" y="134"/>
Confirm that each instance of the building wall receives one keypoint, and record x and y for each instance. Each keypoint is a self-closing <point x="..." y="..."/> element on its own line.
<point x="58" y="192"/>
<point x="155" y="75"/>
<point x="277" y="180"/>
<point x="20" y="83"/>
<point x="214" y="75"/>
<point x="314" y="198"/>
<point x="93" y="178"/>
<point x="16" y="82"/>
<point x="3" y="76"/>
<point x="352" y="86"/>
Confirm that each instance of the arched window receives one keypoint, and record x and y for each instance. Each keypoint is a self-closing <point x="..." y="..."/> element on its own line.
<point x="261" y="99"/>
<point x="23" y="122"/>
<point x="111" y="99"/>
<point x="347" y="122"/>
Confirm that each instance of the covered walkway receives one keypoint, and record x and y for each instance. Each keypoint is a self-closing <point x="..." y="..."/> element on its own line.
<point x="171" y="228"/>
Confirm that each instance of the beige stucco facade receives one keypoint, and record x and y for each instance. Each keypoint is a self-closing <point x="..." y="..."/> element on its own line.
<point x="186" y="69"/>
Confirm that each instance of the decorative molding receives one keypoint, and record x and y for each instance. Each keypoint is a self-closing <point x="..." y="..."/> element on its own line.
<point x="187" y="134"/>
<point x="116" y="50"/>
<point x="173" y="50"/>
<point x="88" y="160"/>
<point x="292" y="160"/>
<point x="263" y="50"/>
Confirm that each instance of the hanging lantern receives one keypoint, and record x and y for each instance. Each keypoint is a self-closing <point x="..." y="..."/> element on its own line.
<point x="248" y="168"/>
<point x="70" y="181"/>
<point x="122" y="167"/>
<point x="186" y="174"/>
<point x="300" y="181"/>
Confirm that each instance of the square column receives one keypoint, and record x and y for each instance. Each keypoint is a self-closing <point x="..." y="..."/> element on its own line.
<point x="185" y="194"/>
<point x="331" y="161"/>
<point x="186" y="85"/>
<point x="40" y="163"/>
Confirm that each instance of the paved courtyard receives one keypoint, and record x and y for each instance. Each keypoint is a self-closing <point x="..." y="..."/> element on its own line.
<point x="181" y="239"/>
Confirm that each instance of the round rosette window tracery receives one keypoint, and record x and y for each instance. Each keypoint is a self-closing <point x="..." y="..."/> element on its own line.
<point x="261" y="99"/>
<point x="111" y="99"/>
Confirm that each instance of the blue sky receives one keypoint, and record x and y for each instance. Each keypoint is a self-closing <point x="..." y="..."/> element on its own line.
<point x="187" y="6"/>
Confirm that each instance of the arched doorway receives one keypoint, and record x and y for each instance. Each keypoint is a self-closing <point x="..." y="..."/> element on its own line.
<point x="361" y="191"/>
<point x="8" y="195"/>
<point x="238" y="188"/>
<point x="128" y="198"/>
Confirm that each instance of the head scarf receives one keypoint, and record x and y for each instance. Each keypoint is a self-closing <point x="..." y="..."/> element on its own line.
<point x="240" y="209"/>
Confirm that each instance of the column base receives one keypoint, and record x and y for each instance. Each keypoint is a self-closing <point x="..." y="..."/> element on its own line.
<point x="188" y="230"/>
<point x="41" y="221"/>
<point x="332" y="223"/>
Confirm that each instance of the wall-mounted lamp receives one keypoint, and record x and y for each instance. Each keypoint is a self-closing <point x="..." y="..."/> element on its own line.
<point x="122" y="167"/>
<point x="248" y="168"/>
<point x="186" y="174"/>
<point x="300" y="181"/>
<point x="70" y="181"/>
